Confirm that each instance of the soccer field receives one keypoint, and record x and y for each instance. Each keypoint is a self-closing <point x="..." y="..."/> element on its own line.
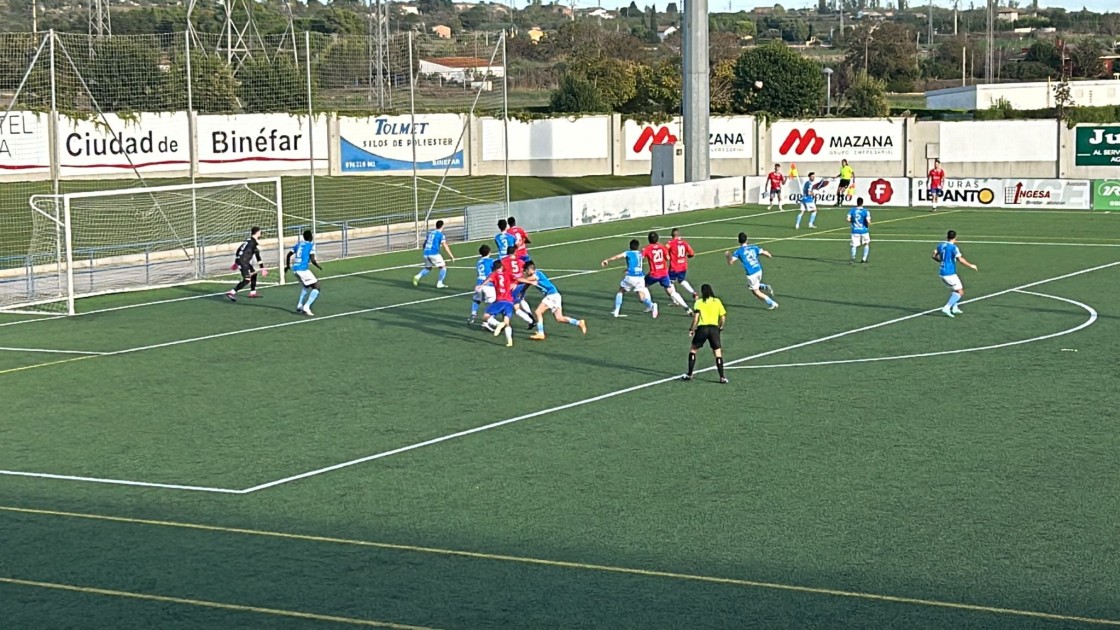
<point x="196" y="463"/>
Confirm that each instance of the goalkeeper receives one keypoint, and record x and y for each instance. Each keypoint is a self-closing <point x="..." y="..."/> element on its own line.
<point x="246" y="253"/>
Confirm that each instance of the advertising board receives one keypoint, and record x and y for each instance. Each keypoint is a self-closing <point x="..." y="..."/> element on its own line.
<point x="273" y="143"/>
<point x="832" y="141"/>
<point x="1097" y="146"/>
<point x="616" y="205"/>
<point x="960" y="193"/>
<point x="1051" y="194"/>
<point x="24" y="145"/>
<point x="1106" y="194"/>
<point x="384" y="143"/>
<point x="729" y="137"/>
<point x="587" y="138"/>
<point x="110" y="144"/>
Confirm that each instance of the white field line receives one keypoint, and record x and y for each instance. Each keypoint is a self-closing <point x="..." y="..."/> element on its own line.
<point x="49" y="351"/>
<point x="120" y="482"/>
<point x="932" y="242"/>
<point x="627" y="390"/>
<point x="43" y="318"/>
<point x="1089" y="322"/>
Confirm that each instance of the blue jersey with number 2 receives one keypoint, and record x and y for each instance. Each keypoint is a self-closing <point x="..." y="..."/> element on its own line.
<point x="484" y="266"/>
<point x="859" y="218"/>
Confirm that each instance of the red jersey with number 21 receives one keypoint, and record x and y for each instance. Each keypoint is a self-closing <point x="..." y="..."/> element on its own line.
<point x="503" y="285"/>
<point x="776" y="180"/>
<point x="936" y="175"/>
<point x="679" y="253"/>
<point x="658" y="257"/>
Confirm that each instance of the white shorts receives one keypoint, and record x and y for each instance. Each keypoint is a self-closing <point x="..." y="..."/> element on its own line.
<point x="484" y="294"/>
<point x="554" y="303"/>
<point x="953" y="282"/>
<point x="860" y="239"/>
<point x="306" y="277"/>
<point x="434" y="261"/>
<point x="808" y="206"/>
<point x="633" y="283"/>
<point x="754" y="281"/>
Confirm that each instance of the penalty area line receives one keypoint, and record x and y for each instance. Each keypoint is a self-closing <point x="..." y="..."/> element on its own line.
<point x="120" y="482"/>
<point x="647" y="385"/>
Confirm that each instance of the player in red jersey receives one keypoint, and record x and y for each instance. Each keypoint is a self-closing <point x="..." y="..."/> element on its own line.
<point x="498" y="314"/>
<point x="658" y="257"/>
<point x="679" y="253"/>
<point x="775" y="181"/>
<point x="935" y="184"/>
<point x="516" y="270"/>
<point x="520" y="239"/>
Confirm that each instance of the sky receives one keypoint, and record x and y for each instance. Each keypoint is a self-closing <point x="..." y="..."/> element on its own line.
<point x="1099" y="6"/>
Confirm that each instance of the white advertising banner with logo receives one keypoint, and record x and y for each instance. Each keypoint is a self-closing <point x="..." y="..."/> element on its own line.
<point x="729" y="137"/>
<point x="273" y="143"/>
<point x="1052" y="194"/>
<point x="960" y="193"/>
<point x="714" y="193"/>
<point x="832" y="141"/>
<point x="110" y="144"/>
<point x="586" y="138"/>
<point x="24" y="145"/>
<point x="616" y="205"/>
<point x="999" y="141"/>
<point x="384" y="143"/>
<point x="877" y="192"/>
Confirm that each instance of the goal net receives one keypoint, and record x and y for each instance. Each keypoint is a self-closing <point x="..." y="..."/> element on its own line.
<point x="93" y="243"/>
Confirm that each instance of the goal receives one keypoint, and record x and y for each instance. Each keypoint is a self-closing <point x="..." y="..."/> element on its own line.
<point x="93" y="243"/>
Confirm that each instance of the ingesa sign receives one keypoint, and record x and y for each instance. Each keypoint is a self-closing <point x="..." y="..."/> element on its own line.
<point x="832" y="141"/>
<point x="728" y="138"/>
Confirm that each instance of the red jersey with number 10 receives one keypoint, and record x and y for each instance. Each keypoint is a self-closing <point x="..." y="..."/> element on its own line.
<point x="503" y="285"/>
<point x="776" y="180"/>
<point x="936" y="175"/>
<point x="658" y="257"/>
<point x="679" y="253"/>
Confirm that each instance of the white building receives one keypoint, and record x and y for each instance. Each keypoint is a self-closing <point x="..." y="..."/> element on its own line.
<point x="1035" y="95"/>
<point x="460" y="69"/>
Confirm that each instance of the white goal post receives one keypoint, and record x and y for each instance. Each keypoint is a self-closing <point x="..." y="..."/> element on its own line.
<point x="110" y="241"/>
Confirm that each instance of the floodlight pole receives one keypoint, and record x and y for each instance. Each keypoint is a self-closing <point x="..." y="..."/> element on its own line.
<point x="828" y="90"/>
<point x="696" y="102"/>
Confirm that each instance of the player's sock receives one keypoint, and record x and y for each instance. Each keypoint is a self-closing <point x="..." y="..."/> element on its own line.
<point x="423" y="272"/>
<point x="648" y="302"/>
<point x="311" y="298"/>
<point x="769" y="301"/>
<point x="866" y="250"/>
<point x="573" y="322"/>
<point x="442" y="274"/>
<point x="617" y="302"/>
<point x="302" y="296"/>
<point x="812" y="219"/>
<point x="953" y="299"/>
<point x="691" y="362"/>
<point x="678" y="300"/>
<point x="509" y="334"/>
<point x="798" y="223"/>
<point x="253" y="283"/>
<point x="540" y="327"/>
<point x="687" y="287"/>
<point x="240" y="285"/>
<point x="523" y="315"/>
<point x="853" y="252"/>
<point x="719" y="366"/>
<point x="474" y="308"/>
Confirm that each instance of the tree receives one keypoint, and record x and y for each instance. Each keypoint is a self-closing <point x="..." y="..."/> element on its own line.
<point x="886" y="51"/>
<point x="722" y="83"/>
<point x="671" y="8"/>
<point x="777" y="80"/>
<point x="213" y="86"/>
<point x="867" y="98"/>
<point x="1086" y="58"/>
<point x="271" y="86"/>
<point x="123" y="74"/>
<point x="576" y="95"/>
<point x="1046" y="53"/>
<point x="613" y="81"/>
<point x="657" y="88"/>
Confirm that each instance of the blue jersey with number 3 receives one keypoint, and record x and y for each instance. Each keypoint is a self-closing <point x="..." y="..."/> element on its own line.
<point x="504" y="242"/>
<point x="433" y="243"/>
<point x="748" y="255"/>
<point x="948" y="253"/>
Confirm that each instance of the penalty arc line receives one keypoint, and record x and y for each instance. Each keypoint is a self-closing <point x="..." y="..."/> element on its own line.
<point x="634" y="388"/>
<point x="1093" y="315"/>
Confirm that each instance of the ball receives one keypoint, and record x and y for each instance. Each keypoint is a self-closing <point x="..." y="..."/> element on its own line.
<point x="758" y="85"/>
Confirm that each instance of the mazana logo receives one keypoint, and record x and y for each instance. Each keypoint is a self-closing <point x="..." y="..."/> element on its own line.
<point x="880" y="191"/>
<point x="649" y="137"/>
<point x="801" y="142"/>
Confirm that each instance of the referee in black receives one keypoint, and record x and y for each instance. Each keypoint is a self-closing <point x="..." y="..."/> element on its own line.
<point x="245" y="255"/>
<point x="708" y="318"/>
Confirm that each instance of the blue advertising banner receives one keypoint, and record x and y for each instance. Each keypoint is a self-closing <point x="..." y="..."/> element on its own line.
<point x="384" y="143"/>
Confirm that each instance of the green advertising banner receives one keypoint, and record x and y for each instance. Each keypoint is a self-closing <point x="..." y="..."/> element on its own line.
<point x="1106" y="194"/>
<point x="1098" y="146"/>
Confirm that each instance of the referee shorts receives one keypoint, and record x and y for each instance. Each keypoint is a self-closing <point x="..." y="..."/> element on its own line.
<point x="706" y="335"/>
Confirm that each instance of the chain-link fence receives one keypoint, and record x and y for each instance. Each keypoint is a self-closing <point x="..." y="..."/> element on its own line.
<point x="371" y="133"/>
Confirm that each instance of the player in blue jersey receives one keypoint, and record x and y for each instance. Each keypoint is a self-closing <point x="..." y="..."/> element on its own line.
<point x="634" y="280"/>
<point x="550" y="302"/>
<point x="860" y="218"/>
<point x="483" y="291"/>
<point x="948" y="254"/>
<point x="808" y="201"/>
<point x="434" y="244"/>
<point x="503" y="239"/>
<point x="304" y="254"/>
<point x="748" y="255"/>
